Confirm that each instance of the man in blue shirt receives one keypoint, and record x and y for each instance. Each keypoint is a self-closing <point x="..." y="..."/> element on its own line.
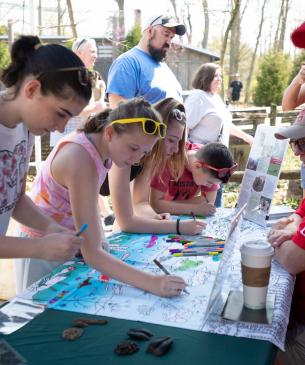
<point x="142" y="71"/>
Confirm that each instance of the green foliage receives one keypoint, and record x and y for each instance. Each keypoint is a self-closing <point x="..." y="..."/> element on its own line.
<point x="69" y="43"/>
<point x="4" y="52"/>
<point x="132" y="38"/>
<point x="272" y="79"/>
<point x="297" y="63"/>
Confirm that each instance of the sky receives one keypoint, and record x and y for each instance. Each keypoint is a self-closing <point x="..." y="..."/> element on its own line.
<point x="91" y="16"/>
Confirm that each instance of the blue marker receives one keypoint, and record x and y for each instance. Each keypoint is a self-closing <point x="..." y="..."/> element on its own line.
<point x="82" y="229"/>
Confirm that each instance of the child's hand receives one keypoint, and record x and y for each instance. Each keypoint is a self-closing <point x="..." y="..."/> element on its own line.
<point x="167" y="285"/>
<point x="58" y="246"/>
<point x="191" y="226"/>
<point x="206" y="209"/>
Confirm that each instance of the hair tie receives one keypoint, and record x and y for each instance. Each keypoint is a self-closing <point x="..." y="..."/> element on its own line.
<point x="37" y="46"/>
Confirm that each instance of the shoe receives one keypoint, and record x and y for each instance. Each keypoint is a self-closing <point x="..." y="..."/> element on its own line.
<point x="109" y="220"/>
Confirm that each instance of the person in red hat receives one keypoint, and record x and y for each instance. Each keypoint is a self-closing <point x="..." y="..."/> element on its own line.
<point x="287" y="236"/>
<point x="294" y="95"/>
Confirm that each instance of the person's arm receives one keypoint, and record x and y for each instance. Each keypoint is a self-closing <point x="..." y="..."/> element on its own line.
<point x="291" y="257"/>
<point x="83" y="187"/>
<point x="140" y="194"/>
<point x="130" y="222"/>
<point x="284" y="229"/>
<point x="195" y="111"/>
<point x="237" y="132"/>
<point x="115" y="99"/>
<point x="294" y="95"/>
<point x="198" y="206"/>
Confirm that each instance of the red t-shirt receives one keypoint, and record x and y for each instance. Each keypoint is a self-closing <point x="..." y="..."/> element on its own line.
<point x="185" y="187"/>
<point x="298" y="303"/>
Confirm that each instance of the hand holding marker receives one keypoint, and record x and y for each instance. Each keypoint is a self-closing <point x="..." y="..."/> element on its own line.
<point x="161" y="267"/>
<point x="82" y="229"/>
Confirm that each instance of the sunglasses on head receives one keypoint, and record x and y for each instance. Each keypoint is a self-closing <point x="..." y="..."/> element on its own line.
<point x="177" y="114"/>
<point x="85" y="76"/>
<point x="220" y="173"/>
<point x="149" y="126"/>
<point x="83" y="41"/>
<point x="297" y="144"/>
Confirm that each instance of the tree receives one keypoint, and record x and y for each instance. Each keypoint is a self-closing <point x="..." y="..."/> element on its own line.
<point x="250" y="74"/>
<point x="234" y="12"/>
<point x="205" y="38"/>
<point x="4" y="52"/>
<point x="281" y="27"/>
<point x="297" y="63"/>
<point x="133" y="37"/>
<point x="272" y="79"/>
<point x="121" y="25"/>
<point x="71" y="17"/>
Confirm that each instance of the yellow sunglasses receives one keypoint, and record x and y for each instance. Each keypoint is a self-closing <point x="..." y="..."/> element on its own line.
<point x="149" y="126"/>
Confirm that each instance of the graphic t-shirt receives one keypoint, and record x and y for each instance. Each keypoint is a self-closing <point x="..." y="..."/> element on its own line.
<point x="185" y="187"/>
<point x="15" y="151"/>
<point x="298" y="303"/>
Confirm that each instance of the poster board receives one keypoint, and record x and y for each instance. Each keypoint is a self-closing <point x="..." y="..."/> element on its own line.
<point x="261" y="174"/>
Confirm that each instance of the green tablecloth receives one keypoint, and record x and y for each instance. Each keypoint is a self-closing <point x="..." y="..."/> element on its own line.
<point x="40" y="343"/>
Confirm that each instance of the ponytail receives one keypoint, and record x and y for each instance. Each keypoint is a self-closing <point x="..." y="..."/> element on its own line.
<point x="97" y="123"/>
<point x="29" y="57"/>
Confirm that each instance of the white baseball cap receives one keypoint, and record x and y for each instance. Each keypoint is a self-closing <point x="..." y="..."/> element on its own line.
<point x="295" y="131"/>
<point x="166" y="21"/>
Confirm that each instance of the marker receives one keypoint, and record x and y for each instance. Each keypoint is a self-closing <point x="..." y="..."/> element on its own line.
<point x="214" y="245"/>
<point x="195" y="254"/>
<point x="82" y="229"/>
<point x="193" y="215"/>
<point x="161" y="267"/>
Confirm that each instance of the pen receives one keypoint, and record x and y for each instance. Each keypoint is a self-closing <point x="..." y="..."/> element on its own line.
<point x="82" y="229"/>
<point x="161" y="267"/>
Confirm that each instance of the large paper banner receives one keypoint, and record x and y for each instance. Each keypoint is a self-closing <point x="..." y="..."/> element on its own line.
<point x="261" y="174"/>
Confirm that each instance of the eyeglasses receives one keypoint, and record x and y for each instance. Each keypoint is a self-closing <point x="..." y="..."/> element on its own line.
<point x="85" y="76"/>
<point x="297" y="144"/>
<point x="177" y="114"/>
<point x="220" y="173"/>
<point x="149" y="126"/>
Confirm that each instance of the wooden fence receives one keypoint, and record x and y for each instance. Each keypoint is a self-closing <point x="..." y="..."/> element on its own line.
<point x="247" y="119"/>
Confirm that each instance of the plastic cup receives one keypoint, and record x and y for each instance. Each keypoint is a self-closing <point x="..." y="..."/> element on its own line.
<point x="256" y="259"/>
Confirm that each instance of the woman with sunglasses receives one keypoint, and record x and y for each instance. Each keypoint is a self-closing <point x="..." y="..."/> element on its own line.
<point x="205" y="168"/>
<point x="44" y="88"/>
<point x="131" y="204"/>
<point x="208" y="118"/>
<point x="67" y="189"/>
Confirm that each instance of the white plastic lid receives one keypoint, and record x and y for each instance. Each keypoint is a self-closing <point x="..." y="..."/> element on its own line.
<point x="257" y="248"/>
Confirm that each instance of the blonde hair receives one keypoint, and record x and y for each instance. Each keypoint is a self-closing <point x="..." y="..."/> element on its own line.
<point x="175" y="163"/>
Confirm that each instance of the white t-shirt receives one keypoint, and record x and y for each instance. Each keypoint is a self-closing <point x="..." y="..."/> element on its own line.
<point x="15" y="151"/>
<point x="207" y="118"/>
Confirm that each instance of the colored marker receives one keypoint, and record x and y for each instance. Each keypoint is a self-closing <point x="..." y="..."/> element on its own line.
<point x="195" y="254"/>
<point x="193" y="215"/>
<point x="82" y="229"/>
<point x="161" y="267"/>
<point x="194" y="245"/>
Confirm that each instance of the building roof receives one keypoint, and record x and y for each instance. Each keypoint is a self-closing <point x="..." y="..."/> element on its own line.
<point x="203" y="51"/>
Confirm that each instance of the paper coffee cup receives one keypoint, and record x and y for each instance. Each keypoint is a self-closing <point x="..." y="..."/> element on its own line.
<point x="255" y="266"/>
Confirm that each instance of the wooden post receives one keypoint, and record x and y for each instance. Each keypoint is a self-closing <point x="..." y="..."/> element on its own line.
<point x="273" y="114"/>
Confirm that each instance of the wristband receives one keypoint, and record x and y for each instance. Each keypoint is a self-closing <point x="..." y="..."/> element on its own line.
<point x="177" y="226"/>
